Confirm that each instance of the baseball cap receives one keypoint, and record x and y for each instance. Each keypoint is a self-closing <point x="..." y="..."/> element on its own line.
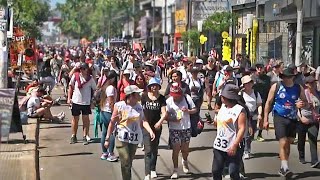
<point x="127" y="71"/>
<point x="175" y="90"/>
<point x="132" y="89"/>
<point x="227" y="68"/>
<point x="199" y="61"/>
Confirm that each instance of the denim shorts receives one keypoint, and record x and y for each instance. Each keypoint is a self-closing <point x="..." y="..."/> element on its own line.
<point x="179" y="136"/>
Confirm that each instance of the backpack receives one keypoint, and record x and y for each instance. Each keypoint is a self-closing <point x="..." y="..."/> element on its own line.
<point x="197" y="124"/>
<point x="126" y="64"/>
<point x="219" y="78"/>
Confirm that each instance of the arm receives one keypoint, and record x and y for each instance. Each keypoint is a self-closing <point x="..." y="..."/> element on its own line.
<point x="164" y="116"/>
<point x="72" y="72"/>
<point x="241" y="130"/>
<point x="268" y="104"/>
<point x="114" y="120"/>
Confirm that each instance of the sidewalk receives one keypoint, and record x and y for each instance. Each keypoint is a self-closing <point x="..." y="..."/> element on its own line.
<point x="20" y="161"/>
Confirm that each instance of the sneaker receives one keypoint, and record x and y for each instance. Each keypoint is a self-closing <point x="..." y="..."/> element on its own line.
<point x="285" y="173"/>
<point x="174" y="175"/>
<point x="112" y="158"/>
<point x="209" y="107"/>
<point x="85" y="141"/>
<point x="315" y="165"/>
<point x="88" y="138"/>
<point x="227" y="176"/>
<point x="147" y="177"/>
<point x="73" y="139"/>
<point x="154" y="174"/>
<point x="104" y="156"/>
<point x="302" y="161"/>
<point x="185" y="166"/>
<point x="142" y="149"/>
<point x="242" y="176"/>
<point x="246" y="156"/>
<point x="260" y="139"/>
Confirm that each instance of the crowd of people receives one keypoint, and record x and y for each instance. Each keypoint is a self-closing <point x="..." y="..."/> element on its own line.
<point x="123" y="87"/>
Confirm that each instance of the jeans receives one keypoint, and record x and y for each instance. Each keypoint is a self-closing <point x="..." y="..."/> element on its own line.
<point x="150" y="150"/>
<point x="221" y="158"/>
<point x="312" y="130"/>
<point x="249" y="138"/>
<point x="105" y="118"/>
<point x="126" y="154"/>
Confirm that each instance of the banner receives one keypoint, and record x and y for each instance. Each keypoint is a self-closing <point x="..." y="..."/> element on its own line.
<point x="9" y="113"/>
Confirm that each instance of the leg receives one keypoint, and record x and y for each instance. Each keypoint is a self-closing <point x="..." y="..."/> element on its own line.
<point x="218" y="164"/>
<point x="301" y="141"/>
<point x="234" y="164"/>
<point x="209" y="94"/>
<point x="147" y="151"/>
<point x="86" y="124"/>
<point x="154" y="150"/>
<point x="313" y="136"/>
<point x="74" y="125"/>
<point x="176" y="143"/>
<point x="103" y="135"/>
<point x="124" y="155"/>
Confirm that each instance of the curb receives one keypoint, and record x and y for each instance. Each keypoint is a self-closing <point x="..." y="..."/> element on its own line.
<point x="33" y="137"/>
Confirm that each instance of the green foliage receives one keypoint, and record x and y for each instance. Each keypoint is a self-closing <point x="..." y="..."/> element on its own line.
<point x="30" y="15"/>
<point x="220" y="21"/>
<point x="95" y="18"/>
<point x="191" y="36"/>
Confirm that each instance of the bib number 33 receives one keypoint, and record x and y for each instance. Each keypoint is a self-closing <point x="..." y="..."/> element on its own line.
<point x="221" y="143"/>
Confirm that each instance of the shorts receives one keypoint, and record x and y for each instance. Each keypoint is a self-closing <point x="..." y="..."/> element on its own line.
<point x="179" y="136"/>
<point x="78" y="109"/>
<point x="284" y="127"/>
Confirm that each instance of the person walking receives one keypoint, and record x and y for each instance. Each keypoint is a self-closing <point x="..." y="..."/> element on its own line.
<point x="231" y="126"/>
<point x="309" y="122"/>
<point x="154" y="108"/>
<point x="288" y="97"/>
<point x="79" y="97"/>
<point x="108" y="99"/>
<point x="179" y="108"/>
<point x="129" y="117"/>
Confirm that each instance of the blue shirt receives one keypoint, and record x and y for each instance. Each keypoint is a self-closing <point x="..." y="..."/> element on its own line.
<point x="285" y="101"/>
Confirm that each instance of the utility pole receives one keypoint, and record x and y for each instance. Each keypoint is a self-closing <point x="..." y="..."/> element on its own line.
<point x="299" y="4"/>
<point x="165" y="25"/>
<point x="3" y="48"/>
<point x="257" y="38"/>
<point x="153" y="24"/>
<point x="189" y="24"/>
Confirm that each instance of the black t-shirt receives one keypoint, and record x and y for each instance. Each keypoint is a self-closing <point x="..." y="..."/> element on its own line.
<point x="152" y="109"/>
<point x="211" y="74"/>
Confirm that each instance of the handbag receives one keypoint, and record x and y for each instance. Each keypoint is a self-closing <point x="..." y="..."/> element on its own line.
<point x="197" y="124"/>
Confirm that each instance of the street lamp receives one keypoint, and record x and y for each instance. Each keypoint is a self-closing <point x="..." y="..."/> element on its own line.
<point x="299" y="4"/>
<point x="200" y="23"/>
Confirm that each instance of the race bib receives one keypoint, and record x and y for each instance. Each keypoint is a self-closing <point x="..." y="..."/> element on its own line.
<point x="130" y="137"/>
<point x="222" y="142"/>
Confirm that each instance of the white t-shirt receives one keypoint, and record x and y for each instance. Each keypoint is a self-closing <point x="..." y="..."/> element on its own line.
<point x="127" y="65"/>
<point x="227" y="127"/>
<point x="183" y="72"/>
<point x="110" y="91"/>
<point x="251" y="102"/>
<point x="174" y="108"/>
<point x="129" y="128"/>
<point x="195" y="87"/>
<point x="82" y="96"/>
<point x="33" y="104"/>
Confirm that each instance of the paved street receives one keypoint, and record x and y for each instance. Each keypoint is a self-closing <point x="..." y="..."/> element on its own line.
<point x="60" y="160"/>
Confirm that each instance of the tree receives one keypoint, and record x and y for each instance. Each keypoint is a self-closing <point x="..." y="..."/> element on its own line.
<point x="30" y="15"/>
<point x="220" y="21"/>
<point x="191" y="36"/>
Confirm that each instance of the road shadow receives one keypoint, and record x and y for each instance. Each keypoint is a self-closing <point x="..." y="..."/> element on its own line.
<point x="306" y="175"/>
<point x="139" y="157"/>
<point x="208" y="130"/>
<point x="95" y="140"/>
<point x="71" y="154"/>
<point x="56" y="127"/>
<point x="202" y="148"/>
<point x="264" y="154"/>
<point x="50" y="122"/>
<point x="260" y="176"/>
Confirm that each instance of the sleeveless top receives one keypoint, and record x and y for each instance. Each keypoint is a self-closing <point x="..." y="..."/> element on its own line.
<point x="285" y="101"/>
<point x="227" y="127"/>
<point x="129" y="128"/>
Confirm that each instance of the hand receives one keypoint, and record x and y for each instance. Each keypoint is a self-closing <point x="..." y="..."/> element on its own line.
<point x="152" y="136"/>
<point x="69" y="101"/>
<point x="300" y="104"/>
<point x="232" y="150"/>
<point x="157" y="125"/>
<point x="259" y="117"/>
<point x="266" y="125"/>
<point x="214" y="92"/>
<point x="184" y="109"/>
<point x="106" y="144"/>
<point x="250" y="131"/>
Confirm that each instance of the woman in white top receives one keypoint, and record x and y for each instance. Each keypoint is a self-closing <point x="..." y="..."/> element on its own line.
<point x="254" y="104"/>
<point x="129" y="117"/>
<point x="108" y="99"/>
<point x="179" y="108"/>
<point x="113" y="66"/>
<point x="231" y="126"/>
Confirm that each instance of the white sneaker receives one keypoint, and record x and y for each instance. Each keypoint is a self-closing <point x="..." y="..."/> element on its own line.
<point x="154" y="174"/>
<point x="174" y="175"/>
<point x="246" y="156"/>
<point x="147" y="177"/>
<point x="185" y="166"/>
<point x="112" y="158"/>
<point x="227" y="176"/>
<point x="88" y="138"/>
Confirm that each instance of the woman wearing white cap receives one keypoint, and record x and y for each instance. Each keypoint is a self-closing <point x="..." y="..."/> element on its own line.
<point x="129" y="117"/>
<point x="154" y="108"/>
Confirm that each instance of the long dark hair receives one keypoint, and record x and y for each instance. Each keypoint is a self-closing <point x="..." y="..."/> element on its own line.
<point x="143" y="79"/>
<point x="241" y="103"/>
<point x="111" y="74"/>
